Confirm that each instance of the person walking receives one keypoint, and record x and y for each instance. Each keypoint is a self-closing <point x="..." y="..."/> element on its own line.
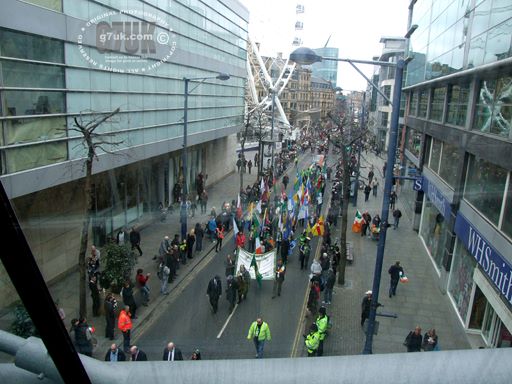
<point x="137" y="354"/>
<point x="243" y="283"/>
<point x="278" y="278"/>
<point x="329" y="286"/>
<point x="214" y="292"/>
<point x="115" y="354"/>
<point x="231" y="290"/>
<point x="220" y="236"/>
<point x="135" y="240"/>
<point x="83" y="336"/>
<point x="397" y="214"/>
<point x="322" y="323"/>
<point x="392" y="200"/>
<point x="367" y="190"/>
<point x="110" y="306"/>
<point x="414" y="340"/>
<point x="142" y="281"/>
<point x="249" y="166"/>
<point x="259" y="332"/>
<point x="230" y="266"/>
<point x="95" y="295"/>
<point x="163" y="274"/>
<point x="172" y="353"/>
<point x="312" y="340"/>
<point x="375" y="186"/>
<point x="124" y="323"/>
<point x="430" y="341"/>
<point x="128" y="298"/>
<point x="366" y="305"/>
<point x="199" y="232"/>
<point x="370" y="176"/>
<point x="191" y="239"/>
<point x="395" y="271"/>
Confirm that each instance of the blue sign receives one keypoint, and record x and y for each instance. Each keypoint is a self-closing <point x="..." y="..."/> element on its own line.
<point x="437" y="198"/>
<point x="418" y="184"/>
<point x="495" y="266"/>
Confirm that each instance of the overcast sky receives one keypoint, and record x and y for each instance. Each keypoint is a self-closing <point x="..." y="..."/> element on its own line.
<point x="355" y="27"/>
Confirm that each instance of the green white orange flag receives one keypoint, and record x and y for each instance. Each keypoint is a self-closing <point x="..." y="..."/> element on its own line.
<point x="254" y="265"/>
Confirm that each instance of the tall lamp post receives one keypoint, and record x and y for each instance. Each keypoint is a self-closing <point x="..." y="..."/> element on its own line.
<point x="183" y="208"/>
<point x="307" y="56"/>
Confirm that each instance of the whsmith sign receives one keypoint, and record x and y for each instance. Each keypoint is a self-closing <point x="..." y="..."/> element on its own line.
<point x="495" y="266"/>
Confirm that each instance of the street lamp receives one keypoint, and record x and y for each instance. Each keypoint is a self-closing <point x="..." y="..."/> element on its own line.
<point x="183" y="208"/>
<point x="307" y="56"/>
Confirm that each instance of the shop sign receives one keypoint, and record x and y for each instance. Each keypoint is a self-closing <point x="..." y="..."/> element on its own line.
<point x="495" y="266"/>
<point x="436" y="197"/>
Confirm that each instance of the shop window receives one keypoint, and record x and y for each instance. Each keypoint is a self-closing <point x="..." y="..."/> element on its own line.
<point x="494" y="106"/>
<point x="478" y="310"/>
<point x="461" y="280"/>
<point x="433" y="232"/>
<point x="19" y="103"/>
<point x="413" y="141"/>
<point x="458" y="98"/>
<point x="437" y="104"/>
<point x="485" y="187"/>
<point x="428" y="145"/>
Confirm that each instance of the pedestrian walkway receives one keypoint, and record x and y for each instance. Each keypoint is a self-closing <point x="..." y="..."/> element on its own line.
<point x="419" y="302"/>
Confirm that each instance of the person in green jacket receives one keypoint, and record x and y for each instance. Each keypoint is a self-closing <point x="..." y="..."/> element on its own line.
<point x="322" y="323"/>
<point x="312" y="340"/>
<point x="259" y="332"/>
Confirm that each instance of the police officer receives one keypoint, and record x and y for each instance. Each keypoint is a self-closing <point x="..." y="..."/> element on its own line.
<point x="312" y="340"/>
<point x="322" y="323"/>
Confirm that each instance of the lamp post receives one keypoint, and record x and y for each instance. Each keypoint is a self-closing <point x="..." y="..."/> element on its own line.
<point x="307" y="56"/>
<point x="184" y="191"/>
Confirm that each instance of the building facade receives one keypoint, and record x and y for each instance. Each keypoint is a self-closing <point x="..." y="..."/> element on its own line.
<point x="326" y="69"/>
<point x="384" y="78"/>
<point x="87" y="59"/>
<point x="458" y="133"/>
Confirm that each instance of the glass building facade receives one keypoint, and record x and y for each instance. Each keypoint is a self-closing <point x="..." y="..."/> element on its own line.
<point x="459" y="116"/>
<point x="327" y="69"/>
<point x="88" y="59"/>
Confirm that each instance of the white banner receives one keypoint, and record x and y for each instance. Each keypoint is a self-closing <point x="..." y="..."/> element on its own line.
<point x="266" y="263"/>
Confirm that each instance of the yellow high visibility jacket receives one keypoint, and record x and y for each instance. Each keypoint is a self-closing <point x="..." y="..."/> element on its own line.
<point x="322" y="324"/>
<point x="264" y="332"/>
<point x="312" y="341"/>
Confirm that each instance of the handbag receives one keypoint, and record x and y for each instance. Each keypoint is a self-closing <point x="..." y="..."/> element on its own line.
<point x="406" y="341"/>
<point x="404" y="279"/>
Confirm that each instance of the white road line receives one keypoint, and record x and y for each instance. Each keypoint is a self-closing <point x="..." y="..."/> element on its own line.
<point x="227" y="321"/>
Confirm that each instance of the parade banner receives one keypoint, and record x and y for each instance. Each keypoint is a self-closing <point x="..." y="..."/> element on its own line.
<point x="266" y="263"/>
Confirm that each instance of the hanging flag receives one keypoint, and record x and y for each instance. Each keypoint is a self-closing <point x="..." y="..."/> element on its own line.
<point x="256" y="223"/>
<point x="262" y="187"/>
<point x="254" y="265"/>
<point x="318" y="229"/>
<point x="235" y="227"/>
<point x="258" y="207"/>
<point x="280" y="223"/>
<point x="238" y="205"/>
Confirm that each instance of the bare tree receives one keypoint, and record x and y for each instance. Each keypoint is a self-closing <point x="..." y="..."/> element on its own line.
<point x="344" y="134"/>
<point x="93" y="142"/>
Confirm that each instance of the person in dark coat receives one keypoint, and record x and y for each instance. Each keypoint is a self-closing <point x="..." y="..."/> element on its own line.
<point x="82" y="336"/>
<point x="115" y="354"/>
<point x="191" y="239"/>
<point x="395" y="271"/>
<point x="199" y="232"/>
<point x="365" y="307"/>
<point x="137" y="354"/>
<point x="135" y="240"/>
<point x="414" y="340"/>
<point x="285" y="248"/>
<point x="231" y="291"/>
<point x="214" y="292"/>
<point x="172" y="353"/>
<point x="367" y="191"/>
<point x="110" y="316"/>
<point x="128" y="299"/>
<point x="95" y="295"/>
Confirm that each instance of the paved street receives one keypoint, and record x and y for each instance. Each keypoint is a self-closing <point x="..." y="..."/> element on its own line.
<point x="185" y="317"/>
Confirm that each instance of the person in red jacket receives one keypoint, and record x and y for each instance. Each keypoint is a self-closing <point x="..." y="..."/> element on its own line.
<point x="142" y="281"/>
<point x="124" y="323"/>
<point x="240" y="240"/>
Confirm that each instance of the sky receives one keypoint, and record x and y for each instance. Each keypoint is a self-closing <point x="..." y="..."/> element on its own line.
<point x="354" y="26"/>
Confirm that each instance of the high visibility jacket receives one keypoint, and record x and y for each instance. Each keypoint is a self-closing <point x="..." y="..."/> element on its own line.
<point x="322" y="324"/>
<point x="125" y="322"/>
<point x="312" y="342"/>
<point x="264" y="332"/>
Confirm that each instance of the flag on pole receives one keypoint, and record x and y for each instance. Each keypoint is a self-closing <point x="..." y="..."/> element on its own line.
<point x="238" y="205"/>
<point x="259" y="249"/>
<point x="258" y="206"/>
<point x="235" y="227"/>
<point x="254" y="265"/>
<point x="357" y="225"/>
<point x="262" y="187"/>
<point x="318" y="229"/>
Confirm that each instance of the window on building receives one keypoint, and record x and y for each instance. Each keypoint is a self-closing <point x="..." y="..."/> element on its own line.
<point x="450" y="161"/>
<point x="413" y="103"/>
<point x="493" y="113"/>
<point x="485" y="187"/>
<point x="30" y="47"/>
<point x="437" y="104"/>
<point x="386" y="90"/>
<point x="384" y="119"/>
<point x="458" y="97"/>
<point x="413" y="141"/>
<point x="435" y="157"/>
<point x="423" y="103"/>
<point x="506" y="224"/>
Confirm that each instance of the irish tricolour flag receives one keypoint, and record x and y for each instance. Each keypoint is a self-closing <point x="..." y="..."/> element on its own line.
<point x="358" y="222"/>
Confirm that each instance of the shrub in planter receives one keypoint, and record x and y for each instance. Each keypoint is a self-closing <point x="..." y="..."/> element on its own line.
<point x="22" y="325"/>
<point x="118" y="263"/>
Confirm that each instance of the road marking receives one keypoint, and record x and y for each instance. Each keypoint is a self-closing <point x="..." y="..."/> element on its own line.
<point x="227" y="321"/>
